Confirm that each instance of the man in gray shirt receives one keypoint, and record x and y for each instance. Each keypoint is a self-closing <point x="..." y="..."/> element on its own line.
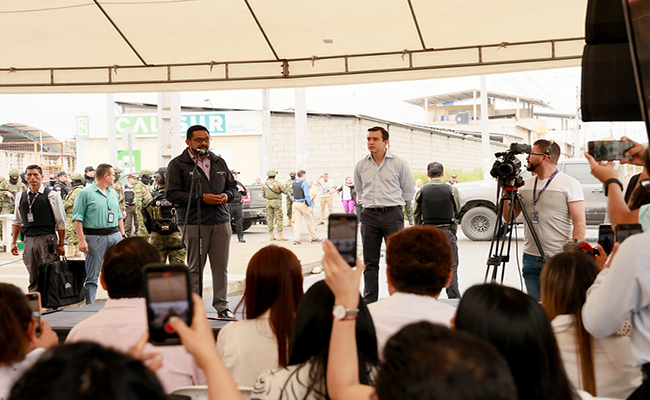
<point x="384" y="184"/>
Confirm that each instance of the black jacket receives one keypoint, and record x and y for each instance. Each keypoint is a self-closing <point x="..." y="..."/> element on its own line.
<point x="178" y="184"/>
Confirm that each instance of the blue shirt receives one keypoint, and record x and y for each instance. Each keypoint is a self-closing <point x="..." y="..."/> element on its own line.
<point x="305" y="189"/>
<point x="386" y="185"/>
<point x="92" y="207"/>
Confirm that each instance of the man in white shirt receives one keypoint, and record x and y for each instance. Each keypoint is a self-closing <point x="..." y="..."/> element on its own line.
<point x="124" y="317"/>
<point x="419" y="261"/>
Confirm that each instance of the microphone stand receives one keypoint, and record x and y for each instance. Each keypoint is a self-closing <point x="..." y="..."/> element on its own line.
<point x="196" y="190"/>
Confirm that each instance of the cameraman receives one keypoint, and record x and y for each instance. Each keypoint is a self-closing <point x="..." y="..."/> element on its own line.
<point x="555" y="205"/>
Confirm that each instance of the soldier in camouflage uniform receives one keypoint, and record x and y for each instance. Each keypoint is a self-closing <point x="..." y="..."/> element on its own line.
<point x="119" y="188"/>
<point x="272" y="191"/>
<point x="8" y="190"/>
<point x="70" y="234"/>
<point x="142" y="196"/>
<point x="292" y="178"/>
<point x="160" y="221"/>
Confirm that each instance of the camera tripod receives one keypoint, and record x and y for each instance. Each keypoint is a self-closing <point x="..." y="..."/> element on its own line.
<point x="503" y="231"/>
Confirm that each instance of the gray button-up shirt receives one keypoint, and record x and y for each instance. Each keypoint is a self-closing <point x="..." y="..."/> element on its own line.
<point x="386" y="185"/>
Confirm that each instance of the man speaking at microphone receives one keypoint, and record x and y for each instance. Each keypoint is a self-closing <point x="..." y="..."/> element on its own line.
<point x="218" y="186"/>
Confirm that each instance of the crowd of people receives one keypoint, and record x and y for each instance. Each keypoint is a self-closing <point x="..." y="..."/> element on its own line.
<point x="581" y="332"/>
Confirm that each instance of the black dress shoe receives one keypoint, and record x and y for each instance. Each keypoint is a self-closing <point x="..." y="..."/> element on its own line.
<point x="242" y="241"/>
<point x="225" y="314"/>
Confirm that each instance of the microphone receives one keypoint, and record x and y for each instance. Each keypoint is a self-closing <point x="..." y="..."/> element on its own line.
<point x="199" y="152"/>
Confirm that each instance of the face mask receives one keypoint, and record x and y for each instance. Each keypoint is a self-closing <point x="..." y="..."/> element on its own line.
<point x="13" y="180"/>
<point x="146" y="179"/>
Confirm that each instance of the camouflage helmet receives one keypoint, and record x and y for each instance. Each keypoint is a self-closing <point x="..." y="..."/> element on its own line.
<point x="118" y="172"/>
<point x="14" y="172"/>
<point x="77" y="177"/>
<point x="292" y="173"/>
<point x="272" y="173"/>
<point x="145" y="172"/>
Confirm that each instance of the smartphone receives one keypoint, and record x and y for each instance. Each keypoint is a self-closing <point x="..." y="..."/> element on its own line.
<point x="609" y="150"/>
<point x="626" y="230"/>
<point x="167" y="292"/>
<point x="606" y="237"/>
<point x="34" y="301"/>
<point x="342" y="231"/>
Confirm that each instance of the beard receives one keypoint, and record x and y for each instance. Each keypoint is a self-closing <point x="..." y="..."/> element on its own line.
<point x="531" y="167"/>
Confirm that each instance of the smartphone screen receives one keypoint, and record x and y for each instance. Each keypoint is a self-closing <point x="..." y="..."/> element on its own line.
<point x="609" y="150"/>
<point x="168" y="294"/>
<point x="626" y="230"/>
<point x="34" y="301"/>
<point x="342" y="231"/>
<point x="606" y="237"/>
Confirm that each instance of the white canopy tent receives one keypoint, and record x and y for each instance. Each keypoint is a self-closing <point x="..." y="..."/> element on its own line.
<point x="70" y="46"/>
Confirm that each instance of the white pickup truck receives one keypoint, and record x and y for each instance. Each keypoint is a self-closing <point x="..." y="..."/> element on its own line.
<point x="478" y="200"/>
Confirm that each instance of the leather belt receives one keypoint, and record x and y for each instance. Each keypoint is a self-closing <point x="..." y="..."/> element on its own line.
<point x="381" y="209"/>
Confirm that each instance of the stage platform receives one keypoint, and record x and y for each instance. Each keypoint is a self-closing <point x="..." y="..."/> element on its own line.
<point x="63" y="320"/>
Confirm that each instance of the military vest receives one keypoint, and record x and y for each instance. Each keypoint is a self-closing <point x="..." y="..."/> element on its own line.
<point x="437" y="204"/>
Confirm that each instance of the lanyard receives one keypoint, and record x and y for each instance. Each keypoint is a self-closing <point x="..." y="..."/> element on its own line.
<point x="537" y="196"/>
<point x="30" y="203"/>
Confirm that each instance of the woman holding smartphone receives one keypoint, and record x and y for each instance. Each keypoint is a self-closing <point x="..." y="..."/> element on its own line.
<point x="20" y="346"/>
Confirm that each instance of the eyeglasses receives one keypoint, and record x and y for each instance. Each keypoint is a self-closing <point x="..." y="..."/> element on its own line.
<point x="200" y="140"/>
<point x="537" y="154"/>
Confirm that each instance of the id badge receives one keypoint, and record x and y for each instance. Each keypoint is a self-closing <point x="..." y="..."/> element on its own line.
<point x="30" y="217"/>
<point x="111" y="218"/>
<point x="535" y="217"/>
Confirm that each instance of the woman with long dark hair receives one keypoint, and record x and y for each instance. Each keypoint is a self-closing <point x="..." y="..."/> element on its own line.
<point x="305" y="377"/>
<point x="603" y="367"/>
<point x="519" y="328"/>
<point x="20" y="347"/>
<point x="261" y="341"/>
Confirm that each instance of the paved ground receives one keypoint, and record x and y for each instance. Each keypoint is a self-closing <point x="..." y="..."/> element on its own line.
<point x="473" y="257"/>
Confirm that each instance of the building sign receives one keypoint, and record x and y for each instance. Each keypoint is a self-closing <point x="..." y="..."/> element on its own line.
<point x="83" y="126"/>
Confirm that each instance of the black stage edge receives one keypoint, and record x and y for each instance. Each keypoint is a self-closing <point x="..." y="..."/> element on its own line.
<point x="63" y="320"/>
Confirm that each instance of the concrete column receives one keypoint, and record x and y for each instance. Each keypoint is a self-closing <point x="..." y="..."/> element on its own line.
<point x="485" y="130"/>
<point x="302" y="148"/>
<point x="110" y="129"/>
<point x="170" y="140"/>
<point x="265" y="145"/>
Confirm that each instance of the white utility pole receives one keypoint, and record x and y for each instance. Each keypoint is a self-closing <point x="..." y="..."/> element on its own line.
<point x="110" y="129"/>
<point x="265" y="153"/>
<point x="170" y="141"/>
<point x="485" y="130"/>
<point x="302" y="149"/>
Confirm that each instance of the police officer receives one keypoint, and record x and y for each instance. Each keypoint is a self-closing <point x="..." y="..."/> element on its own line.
<point x="437" y="204"/>
<point x="8" y="190"/>
<point x="130" y="220"/>
<point x="292" y="178"/>
<point x="61" y="184"/>
<point x="272" y="191"/>
<point x="235" y="208"/>
<point x="142" y="196"/>
<point x="160" y="221"/>
<point x="70" y="234"/>
<point x="89" y="174"/>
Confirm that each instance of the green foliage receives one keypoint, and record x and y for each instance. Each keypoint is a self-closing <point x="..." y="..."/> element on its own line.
<point x="462" y="175"/>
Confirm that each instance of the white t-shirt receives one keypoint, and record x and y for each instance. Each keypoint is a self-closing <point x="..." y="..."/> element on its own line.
<point x="555" y="226"/>
<point x="248" y="348"/>
<point x="400" y="309"/>
<point x="617" y="373"/>
<point x="9" y="375"/>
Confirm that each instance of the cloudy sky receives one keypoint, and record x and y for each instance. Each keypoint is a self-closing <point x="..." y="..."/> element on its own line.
<point x="55" y="113"/>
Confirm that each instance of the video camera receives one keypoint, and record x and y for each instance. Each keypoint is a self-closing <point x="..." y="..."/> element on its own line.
<point x="507" y="166"/>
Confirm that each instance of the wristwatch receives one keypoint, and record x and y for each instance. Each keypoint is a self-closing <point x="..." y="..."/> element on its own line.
<point x="340" y="313"/>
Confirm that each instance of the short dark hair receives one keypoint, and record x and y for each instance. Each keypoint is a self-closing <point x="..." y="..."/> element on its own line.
<point x="384" y="132"/>
<point x="419" y="260"/>
<point x="194" y="128"/>
<point x="435" y="170"/>
<point x="430" y="361"/>
<point x="87" y="370"/>
<point x="15" y="317"/>
<point x="555" y="154"/>
<point x="123" y="265"/>
<point x="36" y="167"/>
<point x="301" y="173"/>
<point x="102" y="169"/>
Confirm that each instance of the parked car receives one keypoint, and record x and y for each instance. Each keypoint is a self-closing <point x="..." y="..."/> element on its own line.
<point x="478" y="200"/>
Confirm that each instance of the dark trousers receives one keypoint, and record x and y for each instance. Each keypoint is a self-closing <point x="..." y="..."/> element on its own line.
<point x="643" y="391"/>
<point x="238" y="216"/>
<point x="376" y="226"/>
<point x="452" y="290"/>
